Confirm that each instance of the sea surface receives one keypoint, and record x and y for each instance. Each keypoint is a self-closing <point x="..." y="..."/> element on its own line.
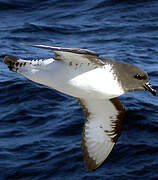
<point x="40" y="128"/>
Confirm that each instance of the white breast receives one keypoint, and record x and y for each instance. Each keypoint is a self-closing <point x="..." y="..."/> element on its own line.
<point x="98" y="83"/>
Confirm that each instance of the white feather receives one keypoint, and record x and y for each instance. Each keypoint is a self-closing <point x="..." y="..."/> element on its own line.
<point x="82" y="80"/>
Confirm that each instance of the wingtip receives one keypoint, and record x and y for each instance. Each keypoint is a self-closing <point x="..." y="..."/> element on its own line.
<point x="40" y="46"/>
<point x="30" y="45"/>
<point x="89" y="162"/>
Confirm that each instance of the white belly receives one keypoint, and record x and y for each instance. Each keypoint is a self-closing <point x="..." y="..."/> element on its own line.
<point x="80" y="81"/>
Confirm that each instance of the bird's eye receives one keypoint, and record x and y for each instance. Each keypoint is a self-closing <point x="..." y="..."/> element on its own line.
<point x="139" y="76"/>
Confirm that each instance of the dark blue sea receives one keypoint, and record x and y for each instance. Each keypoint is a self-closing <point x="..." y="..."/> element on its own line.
<point x="40" y="128"/>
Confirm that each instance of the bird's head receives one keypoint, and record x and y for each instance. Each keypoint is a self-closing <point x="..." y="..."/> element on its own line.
<point x="132" y="78"/>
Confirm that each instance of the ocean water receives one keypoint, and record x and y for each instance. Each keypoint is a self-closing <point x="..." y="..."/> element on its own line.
<point x="40" y="128"/>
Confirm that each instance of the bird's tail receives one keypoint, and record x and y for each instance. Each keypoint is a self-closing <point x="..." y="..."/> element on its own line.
<point x="19" y="65"/>
<point x="34" y="70"/>
<point x="14" y="64"/>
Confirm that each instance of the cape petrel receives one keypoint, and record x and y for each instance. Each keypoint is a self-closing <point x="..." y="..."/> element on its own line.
<point x="95" y="82"/>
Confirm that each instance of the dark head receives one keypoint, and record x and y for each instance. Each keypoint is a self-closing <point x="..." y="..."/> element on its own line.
<point x="132" y="78"/>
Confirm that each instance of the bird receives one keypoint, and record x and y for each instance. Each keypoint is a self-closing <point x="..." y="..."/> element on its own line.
<point x="96" y="83"/>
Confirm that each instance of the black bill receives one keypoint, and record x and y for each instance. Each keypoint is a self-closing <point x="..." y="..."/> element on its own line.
<point x="149" y="88"/>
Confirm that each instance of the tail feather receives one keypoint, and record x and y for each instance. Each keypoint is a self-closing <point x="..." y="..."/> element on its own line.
<point x="13" y="63"/>
<point x="9" y="60"/>
<point x="20" y="65"/>
<point x="35" y="70"/>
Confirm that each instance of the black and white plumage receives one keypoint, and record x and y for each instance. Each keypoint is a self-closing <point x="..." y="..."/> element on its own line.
<point x="95" y="82"/>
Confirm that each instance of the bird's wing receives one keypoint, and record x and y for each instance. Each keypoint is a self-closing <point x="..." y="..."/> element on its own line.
<point x="102" y="128"/>
<point x="72" y="55"/>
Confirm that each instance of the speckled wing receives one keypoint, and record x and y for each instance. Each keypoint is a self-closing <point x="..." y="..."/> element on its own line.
<point x="102" y="128"/>
<point x="72" y="55"/>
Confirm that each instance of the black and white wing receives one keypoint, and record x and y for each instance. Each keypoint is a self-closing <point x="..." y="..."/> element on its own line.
<point x="102" y="128"/>
<point x="70" y="55"/>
